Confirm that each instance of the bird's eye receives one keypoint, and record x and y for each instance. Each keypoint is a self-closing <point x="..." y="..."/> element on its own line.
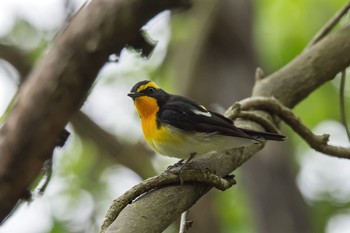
<point x="150" y="90"/>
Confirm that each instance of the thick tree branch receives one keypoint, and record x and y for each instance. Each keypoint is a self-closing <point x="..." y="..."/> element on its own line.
<point x="59" y="84"/>
<point x="290" y="85"/>
<point x="163" y="206"/>
<point x="165" y="179"/>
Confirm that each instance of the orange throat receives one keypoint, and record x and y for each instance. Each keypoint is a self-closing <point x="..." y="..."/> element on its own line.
<point x="147" y="109"/>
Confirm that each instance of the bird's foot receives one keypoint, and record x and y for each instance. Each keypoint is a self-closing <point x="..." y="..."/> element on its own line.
<point x="175" y="166"/>
<point x="180" y="166"/>
<point x="192" y="174"/>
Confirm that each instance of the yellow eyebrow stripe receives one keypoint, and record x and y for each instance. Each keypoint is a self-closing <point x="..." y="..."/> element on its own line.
<point x="149" y="84"/>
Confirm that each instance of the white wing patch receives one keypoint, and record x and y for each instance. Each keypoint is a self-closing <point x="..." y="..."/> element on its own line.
<point x="207" y="114"/>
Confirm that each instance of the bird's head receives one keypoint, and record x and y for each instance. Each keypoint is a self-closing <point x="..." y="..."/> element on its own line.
<point x="148" y="97"/>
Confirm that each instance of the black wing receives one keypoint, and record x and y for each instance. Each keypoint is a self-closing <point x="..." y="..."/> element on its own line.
<point x="187" y="115"/>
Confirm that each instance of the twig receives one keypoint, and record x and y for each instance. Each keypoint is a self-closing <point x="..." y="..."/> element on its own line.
<point x="47" y="175"/>
<point x="184" y="223"/>
<point x="329" y="25"/>
<point x="164" y="179"/>
<point x="259" y="118"/>
<point x="259" y="74"/>
<point x="317" y="142"/>
<point x="235" y="111"/>
<point x="342" y="103"/>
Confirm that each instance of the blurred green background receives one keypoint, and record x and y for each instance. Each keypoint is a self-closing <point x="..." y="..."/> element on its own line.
<point x="208" y="53"/>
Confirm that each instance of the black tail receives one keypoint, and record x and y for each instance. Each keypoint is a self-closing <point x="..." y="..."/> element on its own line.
<point x="265" y="135"/>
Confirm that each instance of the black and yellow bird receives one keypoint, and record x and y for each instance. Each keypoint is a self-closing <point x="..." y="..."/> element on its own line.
<point x="178" y="127"/>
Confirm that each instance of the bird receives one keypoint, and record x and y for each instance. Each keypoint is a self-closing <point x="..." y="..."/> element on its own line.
<point x="177" y="126"/>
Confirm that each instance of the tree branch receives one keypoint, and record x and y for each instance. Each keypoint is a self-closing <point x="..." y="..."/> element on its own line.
<point x="165" y="179"/>
<point x="317" y="142"/>
<point x="185" y="224"/>
<point x="260" y="119"/>
<point x="60" y="83"/>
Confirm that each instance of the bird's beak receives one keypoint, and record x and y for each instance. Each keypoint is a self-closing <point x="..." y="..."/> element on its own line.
<point x="134" y="95"/>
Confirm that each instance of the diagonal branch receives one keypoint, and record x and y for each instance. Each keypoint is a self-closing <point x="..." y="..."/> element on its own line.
<point x="59" y="84"/>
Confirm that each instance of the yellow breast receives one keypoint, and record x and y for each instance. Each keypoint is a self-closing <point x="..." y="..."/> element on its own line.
<point x="147" y="109"/>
